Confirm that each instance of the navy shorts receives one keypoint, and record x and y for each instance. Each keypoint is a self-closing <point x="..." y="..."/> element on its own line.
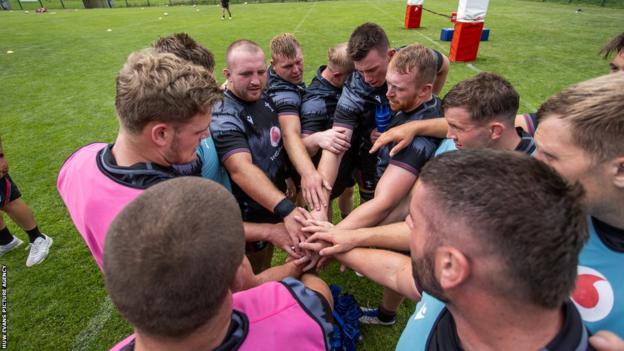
<point x="366" y="173"/>
<point x="8" y="191"/>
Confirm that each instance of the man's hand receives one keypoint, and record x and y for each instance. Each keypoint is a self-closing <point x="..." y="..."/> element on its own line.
<point x="297" y="266"/>
<point x="333" y="140"/>
<point x="293" y="227"/>
<point x="279" y="237"/>
<point x="327" y="240"/>
<point x="402" y="135"/>
<point x="606" y="341"/>
<point x="314" y="189"/>
<point x="374" y="135"/>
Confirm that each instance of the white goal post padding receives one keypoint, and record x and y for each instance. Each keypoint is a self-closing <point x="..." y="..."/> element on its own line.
<point x="472" y="10"/>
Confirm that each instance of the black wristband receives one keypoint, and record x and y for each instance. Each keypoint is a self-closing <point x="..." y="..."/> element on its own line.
<point x="284" y="208"/>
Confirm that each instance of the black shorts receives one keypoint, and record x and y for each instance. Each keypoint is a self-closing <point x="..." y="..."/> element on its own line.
<point x="258" y="216"/>
<point x="345" y="177"/>
<point x="8" y="191"/>
<point x="366" y="173"/>
<point x="225" y="4"/>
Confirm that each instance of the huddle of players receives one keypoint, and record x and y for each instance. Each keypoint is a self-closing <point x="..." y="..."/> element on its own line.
<point x="475" y="219"/>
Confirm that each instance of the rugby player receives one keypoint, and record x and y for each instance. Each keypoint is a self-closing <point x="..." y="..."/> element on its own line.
<point x="364" y="91"/>
<point x="160" y="125"/>
<point x="175" y="279"/>
<point x="480" y="112"/>
<point x="248" y="138"/>
<point x="285" y="89"/>
<point x="580" y="134"/>
<point x="12" y="204"/>
<point x="317" y="115"/>
<point x="494" y="271"/>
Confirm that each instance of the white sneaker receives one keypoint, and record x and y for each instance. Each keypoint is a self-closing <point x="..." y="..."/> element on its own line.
<point x="15" y="243"/>
<point x="371" y="316"/>
<point x="39" y="250"/>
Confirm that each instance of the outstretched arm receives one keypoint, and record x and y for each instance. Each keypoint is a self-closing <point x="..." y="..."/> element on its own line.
<point x="313" y="185"/>
<point x="390" y="269"/>
<point x="405" y="133"/>
<point x="394" y="186"/>
<point x="259" y="187"/>
<point x="246" y="279"/>
<point x="393" y="236"/>
<point x="331" y="140"/>
<point x="328" y="167"/>
<point x="274" y="233"/>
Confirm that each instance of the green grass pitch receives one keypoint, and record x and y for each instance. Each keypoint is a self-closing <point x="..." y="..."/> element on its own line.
<point x="57" y="93"/>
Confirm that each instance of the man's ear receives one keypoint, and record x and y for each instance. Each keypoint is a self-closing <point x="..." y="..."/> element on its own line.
<point x="496" y="130"/>
<point x="161" y="133"/>
<point x="391" y="52"/>
<point x="616" y="167"/>
<point x="227" y="73"/>
<point x="452" y="267"/>
<point x="425" y="90"/>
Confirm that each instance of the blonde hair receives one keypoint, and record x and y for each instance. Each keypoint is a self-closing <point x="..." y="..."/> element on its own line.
<point x="338" y="60"/>
<point x="415" y="58"/>
<point x="156" y="86"/>
<point x="284" y="44"/>
<point x="595" y="111"/>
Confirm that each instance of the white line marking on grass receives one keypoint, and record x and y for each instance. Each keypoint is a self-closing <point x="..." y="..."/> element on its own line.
<point x="95" y="325"/>
<point x="305" y="17"/>
<point x="474" y="68"/>
<point x="394" y="18"/>
<point x="525" y="103"/>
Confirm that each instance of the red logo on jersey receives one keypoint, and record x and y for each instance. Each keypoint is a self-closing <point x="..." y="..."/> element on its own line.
<point x="276" y="136"/>
<point x="593" y="295"/>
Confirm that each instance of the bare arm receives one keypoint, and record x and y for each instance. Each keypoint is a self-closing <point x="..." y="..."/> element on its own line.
<point x="252" y="180"/>
<point x="328" y="168"/>
<point x="331" y="139"/>
<point x="390" y="269"/>
<point x="394" y="186"/>
<point x="275" y="233"/>
<point x="255" y="183"/>
<point x="245" y="278"/>
<point x="405" y="133"/>
<point x="277" y="273"/>
<point x="393" y="236"/>
<point x="312" y="183"/>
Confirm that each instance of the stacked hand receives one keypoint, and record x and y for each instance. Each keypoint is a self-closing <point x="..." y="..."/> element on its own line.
<point x="326" y="239"/>
<point x="315" y="190"/>
<point x="293" y="225"/>
<point x="333" y="140"/>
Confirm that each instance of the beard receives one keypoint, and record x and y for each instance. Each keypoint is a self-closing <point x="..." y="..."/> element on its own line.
<point x="424" y="277"/>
